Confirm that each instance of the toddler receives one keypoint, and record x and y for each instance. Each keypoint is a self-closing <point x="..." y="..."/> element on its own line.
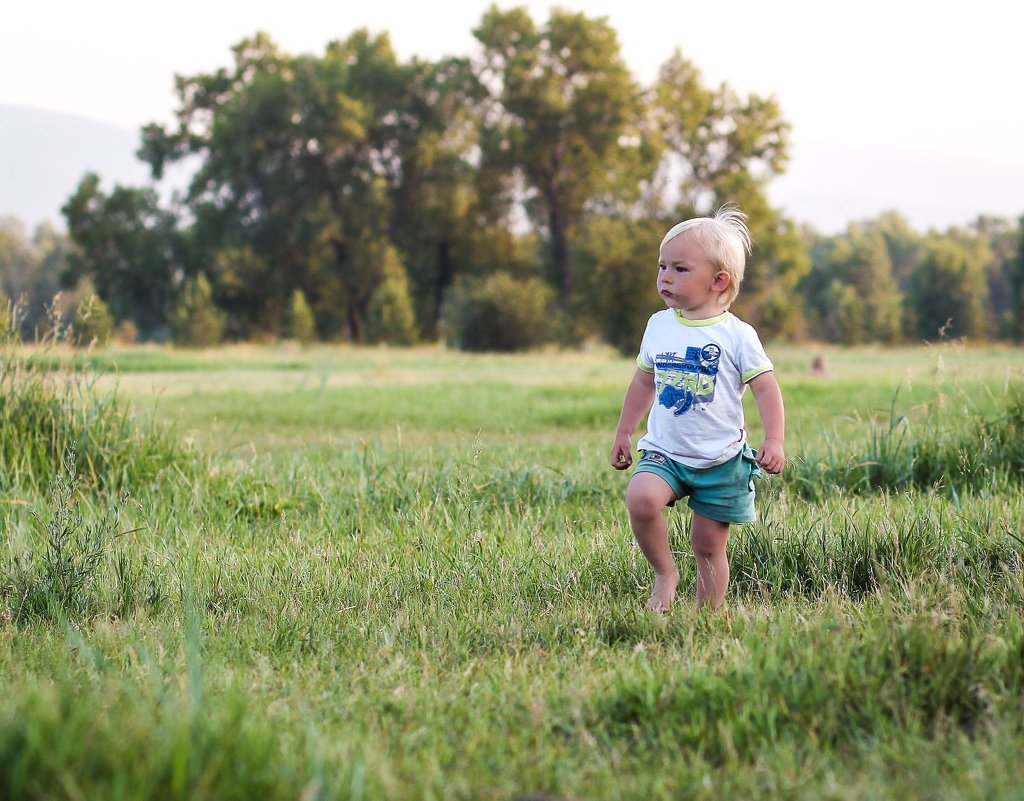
<point x="695" y="361"/>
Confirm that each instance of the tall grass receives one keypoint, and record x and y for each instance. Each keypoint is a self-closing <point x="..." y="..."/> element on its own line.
<point x="48" y="407"/>
<point x="902" y="453"/>
<point x="57" y="578"/>
<point x="342" y="610"/>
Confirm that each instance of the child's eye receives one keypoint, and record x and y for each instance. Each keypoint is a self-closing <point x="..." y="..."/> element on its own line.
<point x="662" y="267"/>
<point x="680" y="269"/>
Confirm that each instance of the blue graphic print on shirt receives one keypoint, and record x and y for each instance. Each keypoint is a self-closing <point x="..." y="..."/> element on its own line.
<point x="684" y="381"/>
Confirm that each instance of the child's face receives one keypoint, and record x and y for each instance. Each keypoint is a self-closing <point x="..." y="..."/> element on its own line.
<point x="688" y="281"/>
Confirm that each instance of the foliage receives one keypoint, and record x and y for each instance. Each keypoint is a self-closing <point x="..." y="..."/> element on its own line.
<point x="56" y="581"/>
<point x="853" y="289"/>
<point x="615" y="275"/>
<point x="900" y="455"/>
<point x="196" y="321"/>
<point x="499" y="313"/>
<point x="126" y="245"/>
<point x="713" y="134"/>
<point x="1013" y="279"/>
<point x="30" y="268"/>
<point x="390" y="317"/>
<point x="947" y="293"/>
<point x="448" y="218"/>
<point x="297" y="153"/>
<point x="49" y="406"/>
<point x="308" y="167"/>
<point x="845" y="318"/>
<point x="92" y="322"/>
<point x="563" y="101"/>
<point x="341" y="595"/>
<point x="299" y="322"/>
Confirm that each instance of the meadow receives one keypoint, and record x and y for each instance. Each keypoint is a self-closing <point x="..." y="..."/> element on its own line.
<point x="352" y="573"/>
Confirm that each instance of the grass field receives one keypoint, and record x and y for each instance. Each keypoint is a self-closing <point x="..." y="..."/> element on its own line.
<point x="408" y="574"/>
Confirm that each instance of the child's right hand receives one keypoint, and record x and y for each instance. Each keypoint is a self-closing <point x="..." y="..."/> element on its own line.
<point x="622" y="452"/>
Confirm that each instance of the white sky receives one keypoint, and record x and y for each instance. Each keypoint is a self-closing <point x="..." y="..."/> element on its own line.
<point x="934" y="77"/>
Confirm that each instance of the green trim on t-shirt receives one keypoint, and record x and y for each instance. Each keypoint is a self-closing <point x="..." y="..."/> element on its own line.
<point x="764" y="368"/>
<point x="644" y="365"/>
<point x="700" y="323"/>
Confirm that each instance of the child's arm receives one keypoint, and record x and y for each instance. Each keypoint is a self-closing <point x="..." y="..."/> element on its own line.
<point x="766" y="391"/>
<point x="635" y="405"/>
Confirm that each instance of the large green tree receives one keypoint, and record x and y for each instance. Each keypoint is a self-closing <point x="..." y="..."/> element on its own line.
<point x="617" y="274"/>
<point x="562" y="101"/>
<point x="127" y="246"/>
<point x="902" y="242"/>
<point x="291" y="189"/>
<point x="446" y="218"/>
<point x="851" y="292"/>
<point x="947" y="293"/>
<point x="996" y="241"/>
<point x="861" y="260"/>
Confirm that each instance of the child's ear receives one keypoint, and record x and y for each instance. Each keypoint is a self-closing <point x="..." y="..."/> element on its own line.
<point x="721" y="281"/>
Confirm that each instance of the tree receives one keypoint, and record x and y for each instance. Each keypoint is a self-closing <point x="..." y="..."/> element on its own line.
<point x="996" y="241"/>
<point x="1015" y="284"/>
<point x="299" y="322"/>
<point x="861" y="260"/>
<point x="92" y="322"/>
<point x="902" y="242"/>
<point x="389" y="317"/>
<point x="30" y="269"/>
<point x="126" y="245"/>
<point x="845" y="318"/>
<point x="562" y="100"/>
<point x="857" y="259"/>
<point x="947" y="292"/>
<point x="291" y="188"/>
<point x="712" y="134"/>
<point x="616" y="278"/>
<point x="448" y="219"/>
<point x="196" y="321"/>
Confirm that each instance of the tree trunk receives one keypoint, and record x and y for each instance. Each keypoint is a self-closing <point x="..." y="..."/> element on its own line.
<point x="444" y="278"/>
<point x="559" y="252"/>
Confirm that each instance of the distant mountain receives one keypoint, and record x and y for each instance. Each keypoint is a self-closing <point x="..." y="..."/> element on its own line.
<point x="44" y="154"/>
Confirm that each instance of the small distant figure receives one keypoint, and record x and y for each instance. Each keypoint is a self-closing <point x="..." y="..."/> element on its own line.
<point x="819" y="367"/>
<point x="696" y="358"/>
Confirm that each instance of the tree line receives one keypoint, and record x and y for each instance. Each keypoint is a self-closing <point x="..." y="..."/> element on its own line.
<point x="498" y="200"/>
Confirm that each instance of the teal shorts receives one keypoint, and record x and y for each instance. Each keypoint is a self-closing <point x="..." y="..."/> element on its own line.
<point x="724" y="492"/>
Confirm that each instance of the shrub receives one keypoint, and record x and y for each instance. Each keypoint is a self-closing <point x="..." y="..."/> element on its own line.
<point x="299" y="323"/>
<point x="127" y="333"/>
<point x="92" y="322"/>
<point x="498" y="313"/>
<point x="196" y="320"/>
<point x="389" y="316"/>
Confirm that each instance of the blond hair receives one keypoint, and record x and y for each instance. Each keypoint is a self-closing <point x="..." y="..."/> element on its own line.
<point x="725" y="240"/>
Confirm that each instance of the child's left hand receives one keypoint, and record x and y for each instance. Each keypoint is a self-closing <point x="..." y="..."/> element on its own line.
<point x="771" y="457"/>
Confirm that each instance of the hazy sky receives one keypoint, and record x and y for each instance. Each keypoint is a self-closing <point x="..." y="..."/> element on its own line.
<point x="922" y="79"/>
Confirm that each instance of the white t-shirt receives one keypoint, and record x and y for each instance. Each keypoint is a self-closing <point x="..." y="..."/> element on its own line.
<point x="701" y="368"/>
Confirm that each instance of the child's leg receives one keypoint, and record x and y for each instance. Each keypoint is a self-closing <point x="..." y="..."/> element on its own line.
<point x="646" y="498"/>
<point x="708" y="538"/>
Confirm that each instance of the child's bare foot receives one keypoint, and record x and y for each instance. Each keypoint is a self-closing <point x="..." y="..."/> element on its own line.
<point x="664" y="591"/>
